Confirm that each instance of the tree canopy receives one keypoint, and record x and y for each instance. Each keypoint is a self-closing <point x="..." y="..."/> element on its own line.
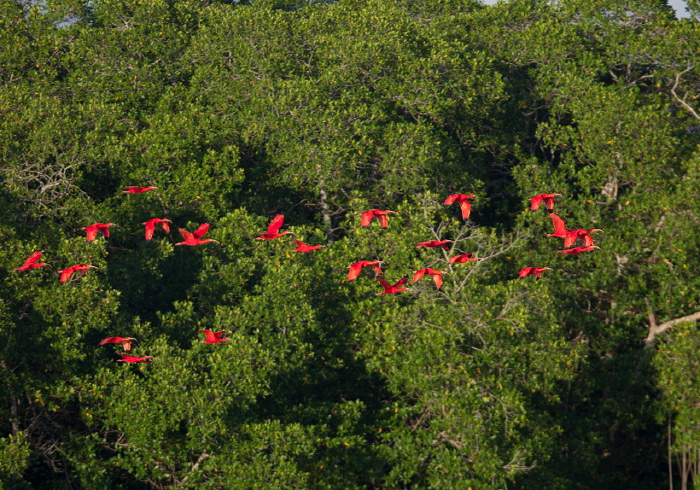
<point x="239" y="111"/>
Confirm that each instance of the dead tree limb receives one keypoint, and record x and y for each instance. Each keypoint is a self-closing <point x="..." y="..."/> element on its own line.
<point x="678" y="99"/>
<point x="657" y="329"/>
<point x="202" y="457"/>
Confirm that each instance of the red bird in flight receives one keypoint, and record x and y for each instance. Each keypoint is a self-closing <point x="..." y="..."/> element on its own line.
<point x="357" y="267"/>
<point x="31" y="262"/>
<point x="303" y="247"/>
<point x="134" y="359"/>
<point x="461" y="259"/>
<point x="212" y="337"/>
<point x="461" y="199"/>
<point x="560" y="230"/>
<point x="443" y="244"/>
<point x="535" y="271"/>
<point x="136" y="189"/>
<point x="548" y="199"/>
<point x="92" y="230"/>
<point x="574" y="235"/>
<point x="151" y="226"/>
<point x="578" y="250"/>
<point x="367" y="217"/>
<point x="81" y="268"/>
<point x="272" y="230"/>
<point x="125" y="341"/>
<point x="193" y="239"/>
<point x="436" y="275"/>
<point x="396" y="288"/>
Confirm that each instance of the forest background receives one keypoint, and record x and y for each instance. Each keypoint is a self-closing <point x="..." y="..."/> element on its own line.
<point x="319" y="111"/>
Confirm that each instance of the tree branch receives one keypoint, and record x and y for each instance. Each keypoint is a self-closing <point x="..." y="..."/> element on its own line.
<point x="678" y="99"/>
<point x="655" y="329"/>
<point x="202" y="457"/>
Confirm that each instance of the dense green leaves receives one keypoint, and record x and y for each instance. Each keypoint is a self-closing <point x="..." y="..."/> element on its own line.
<point x="320" y="111"/>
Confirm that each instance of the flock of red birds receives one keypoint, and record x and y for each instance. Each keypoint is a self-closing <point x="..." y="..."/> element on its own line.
<point x="195" y="238"/>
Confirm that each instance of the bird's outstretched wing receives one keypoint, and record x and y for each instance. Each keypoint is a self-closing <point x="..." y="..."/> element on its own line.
<point x="524" y="272"/>
<point x="375" y="267"/>
<point x="32" y="259"/>
<point x="538" y="271"/>
<point x="535" y="202"/>
<point x="276" y="224"/>
<point x="367" y="217"/>
<point x="201" y="231"/>
<point x="186" y="235"/>
<point x="577" y="250"/>
<point x="137" y="189"/>
<point x="571" y="237"/>
<point x="437" y="279"/>
<point x="451" y="198"/>
<point x="90" y="232"/>
<point x="385" y="284"/>
<point x="461" y="258"/>
<point x="66" y="273"/>
<point x="466" y="209"/>
<point x="355" y="269"/>
<point x="417" y="275"/>
<point x="150" y="228"/>
<point x="401" y="282"/>
<point x="559" y="225"/>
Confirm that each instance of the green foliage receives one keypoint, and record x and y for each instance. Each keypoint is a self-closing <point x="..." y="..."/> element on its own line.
<point x="320" y="111"/>
<point x="14" y="457"/>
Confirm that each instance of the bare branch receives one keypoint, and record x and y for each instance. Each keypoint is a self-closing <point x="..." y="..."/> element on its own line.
<point x="678" y="99"/>
<point x="202" y="457"/>
<point x="655" y="330"/>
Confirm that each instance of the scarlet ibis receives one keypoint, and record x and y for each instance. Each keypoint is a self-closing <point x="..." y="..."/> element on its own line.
<point x="367" y="217"/>
<point x="560" y="230"/>
<point x="152" y="223"/>
<point x="547" y="198"/>
<point x="461" y="199"/>
<point x="396" y="288"/>
<point x="274" y="227"/>
<point x="134" y="359"/>
<point x="81" y="268"/>
<point x="125" y="341"/>
<point x="357" y="267"/>
<point x="436" y="275"/>
<point x="443" y="244"/>
<point x="92" y="230"/>
<point x="31" y="262"/>
<point x="461" y="259"/>
<point x="535" y="271"/>
<point x="574" y="235"/>
<point x="578" y="250"/>
<point x="136" y="189"/>
<point x="303" y="247"/>
<point x="195" y="238"/>
<point x="212" y="337"/>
